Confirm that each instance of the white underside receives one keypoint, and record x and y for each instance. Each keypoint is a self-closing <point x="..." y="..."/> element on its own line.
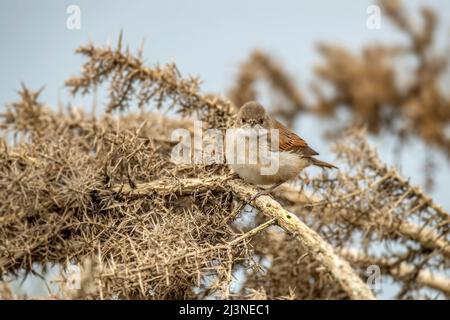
<point x="289" y="166"/>
<point x="265" y="167"/>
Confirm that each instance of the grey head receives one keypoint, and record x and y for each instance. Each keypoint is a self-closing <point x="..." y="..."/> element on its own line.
<point x="253" y="115"/>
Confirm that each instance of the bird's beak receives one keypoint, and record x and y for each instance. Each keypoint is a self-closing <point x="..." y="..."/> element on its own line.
<point x="252" y="123"/>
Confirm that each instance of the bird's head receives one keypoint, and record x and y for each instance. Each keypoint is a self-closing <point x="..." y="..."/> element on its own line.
<point x="253" y="115"/>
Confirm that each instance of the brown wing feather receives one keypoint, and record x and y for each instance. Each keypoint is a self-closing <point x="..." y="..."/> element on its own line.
<point x="289" y="141"/>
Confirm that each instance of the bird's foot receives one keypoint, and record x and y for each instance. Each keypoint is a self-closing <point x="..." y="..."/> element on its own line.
<point x="232" y="176"/>
<point x="259" y="194"/>
<point x="265" y="191"/>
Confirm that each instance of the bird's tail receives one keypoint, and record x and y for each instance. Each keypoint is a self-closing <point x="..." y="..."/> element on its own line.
<point x="323" y="164"/>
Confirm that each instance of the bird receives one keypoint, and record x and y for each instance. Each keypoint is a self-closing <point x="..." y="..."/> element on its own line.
<point x="293" y="153"/>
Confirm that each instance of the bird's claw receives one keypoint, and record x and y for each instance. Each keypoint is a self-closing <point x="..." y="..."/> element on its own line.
<point x="232" y="176"/>
<point x="259" y="194"/>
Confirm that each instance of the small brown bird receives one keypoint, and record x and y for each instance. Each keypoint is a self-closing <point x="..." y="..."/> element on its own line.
<point x="293" y="152"/>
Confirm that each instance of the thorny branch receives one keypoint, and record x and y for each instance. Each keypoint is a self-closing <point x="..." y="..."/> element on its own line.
<point x="103" y="192"/>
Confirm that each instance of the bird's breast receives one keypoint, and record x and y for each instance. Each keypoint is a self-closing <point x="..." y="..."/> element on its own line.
<point x="271" y="167"/>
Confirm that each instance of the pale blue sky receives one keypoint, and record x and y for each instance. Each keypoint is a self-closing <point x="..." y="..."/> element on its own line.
<point x="205" y="38"/>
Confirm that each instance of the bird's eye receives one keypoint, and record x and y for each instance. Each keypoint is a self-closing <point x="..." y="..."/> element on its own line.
<point x="261" y="121"/>
<point x="243" y="120"/>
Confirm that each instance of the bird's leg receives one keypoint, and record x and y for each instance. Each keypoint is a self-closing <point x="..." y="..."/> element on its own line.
<point x="265" y="191"/>
<point x="232" y="176"/>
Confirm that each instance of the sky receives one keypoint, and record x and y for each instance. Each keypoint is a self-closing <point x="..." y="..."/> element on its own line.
<point x="207" y="39"/>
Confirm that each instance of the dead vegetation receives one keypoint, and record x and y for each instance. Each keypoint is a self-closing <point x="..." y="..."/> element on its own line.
<point x="399" y="88"/>
<point x="102" y="192"/>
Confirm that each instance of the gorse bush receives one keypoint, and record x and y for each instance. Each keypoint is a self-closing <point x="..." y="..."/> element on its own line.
<point x="101" y="191"/>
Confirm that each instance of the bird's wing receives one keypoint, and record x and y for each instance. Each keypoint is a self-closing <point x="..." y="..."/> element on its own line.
<point x="289" y="141"/>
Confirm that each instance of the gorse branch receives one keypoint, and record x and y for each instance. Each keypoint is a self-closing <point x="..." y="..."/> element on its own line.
<point x="102" y="191"/>
<point x="131" y="80"/>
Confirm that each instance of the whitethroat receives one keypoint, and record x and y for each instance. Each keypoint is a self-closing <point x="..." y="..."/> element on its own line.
<point x="292" y="153"/>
